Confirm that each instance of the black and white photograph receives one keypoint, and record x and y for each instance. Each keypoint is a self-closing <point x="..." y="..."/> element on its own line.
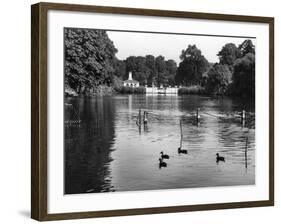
<point x="152" y="111"/>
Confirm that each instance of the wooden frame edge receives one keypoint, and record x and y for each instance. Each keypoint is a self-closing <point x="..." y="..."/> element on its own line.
<point x="153" y="12"/>
<point x="39" y="110"/>
<point x="155" y="210"/>
<point x="271" y="111"/>
<point x="34" y="112"/>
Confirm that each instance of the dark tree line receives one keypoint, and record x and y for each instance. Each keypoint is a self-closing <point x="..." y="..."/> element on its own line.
<point x="235" y="73"/>
<point x="90" y="61"/>
<point x="148" y="70"/>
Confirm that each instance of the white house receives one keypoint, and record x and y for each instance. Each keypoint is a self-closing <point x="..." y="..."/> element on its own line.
<point x="130" y="82"/>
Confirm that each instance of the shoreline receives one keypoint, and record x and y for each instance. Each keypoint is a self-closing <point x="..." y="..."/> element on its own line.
<point x="182" y="91"/>
<point x="190" y="94"/>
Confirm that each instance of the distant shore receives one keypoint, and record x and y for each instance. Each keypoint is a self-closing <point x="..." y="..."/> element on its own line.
<point x="110" y="90"/>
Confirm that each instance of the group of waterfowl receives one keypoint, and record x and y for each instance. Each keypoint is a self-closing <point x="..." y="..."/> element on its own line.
<point x="180" y="150"/>
<point x="162" y="157"/>
<point x="166" y="156"/>
<point x="183" y="151"/>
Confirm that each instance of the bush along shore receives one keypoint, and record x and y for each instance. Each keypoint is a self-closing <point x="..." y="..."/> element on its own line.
<point x="192" y="90"/>
<point x="130" y="90"/>
<point x="104" y="91"/>
<point x="101" y="90"/>
<point x="109" y="90"/>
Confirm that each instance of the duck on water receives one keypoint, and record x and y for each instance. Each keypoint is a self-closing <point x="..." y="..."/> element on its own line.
<point x="219" y="158"/>
<point x="183" y="151"/>
<point x="164" y="156"/>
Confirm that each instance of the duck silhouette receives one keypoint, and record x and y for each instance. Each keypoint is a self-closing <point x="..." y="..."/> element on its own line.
<point x="183" y="151"/>
<point x="220" y="158"/>
<point x="164" y="156"/>
<point x="162" y="163"/>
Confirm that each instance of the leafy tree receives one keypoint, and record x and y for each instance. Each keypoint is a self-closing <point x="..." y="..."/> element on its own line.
<point x="117" y="83"/>
<point x="219" y="78"/>
<point x="142" y="72"/>
<point x="160" y="65"/>
<point x="131" y="64"/>
<point x="89" y="56"/>
<point x="137" y="65"/>
<point x="193" y="64"/>
<point x="244" y="76"/>
<point x="151" y="69"/>
<point x="120" y="68"/>
<point x="171" y="68"/>
<point x="228" y="54"/>
<point x="247" y="47"/>
<point x="185" y="74"/>
<point x="191" y="52"/>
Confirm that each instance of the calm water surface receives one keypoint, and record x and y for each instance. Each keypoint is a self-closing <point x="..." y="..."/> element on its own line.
<point x="107" y="151"/>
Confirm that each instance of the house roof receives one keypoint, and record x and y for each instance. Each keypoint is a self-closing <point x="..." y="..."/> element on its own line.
<point x="131" y="81"/>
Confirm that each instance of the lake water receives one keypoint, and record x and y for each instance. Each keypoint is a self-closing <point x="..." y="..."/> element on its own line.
<point x="107" y="151"/>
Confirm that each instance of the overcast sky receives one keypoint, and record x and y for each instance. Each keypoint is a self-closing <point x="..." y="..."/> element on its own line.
<point x="168" y="45"/>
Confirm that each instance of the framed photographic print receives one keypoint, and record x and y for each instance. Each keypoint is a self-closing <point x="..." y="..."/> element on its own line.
<point x="139" y="111"/>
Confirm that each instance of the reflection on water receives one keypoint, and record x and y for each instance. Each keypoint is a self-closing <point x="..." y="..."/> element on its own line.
<point x="107" y="151"/>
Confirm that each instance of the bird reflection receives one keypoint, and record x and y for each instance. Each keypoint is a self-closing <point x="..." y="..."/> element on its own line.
<point x="162" y="163"/>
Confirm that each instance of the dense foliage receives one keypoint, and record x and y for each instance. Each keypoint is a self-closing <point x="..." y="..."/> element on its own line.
<point x="219" y="78"/>
<point x="91" y="67"/>
<point x="235" y="74"/>
<point x="244" y="76"/>
<point x="247" y="47"/>
<point x="192" y="66"/>
<point x="228" y="54"/>
<point x="89" y="57"/>
<point x="149" y="70"/>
